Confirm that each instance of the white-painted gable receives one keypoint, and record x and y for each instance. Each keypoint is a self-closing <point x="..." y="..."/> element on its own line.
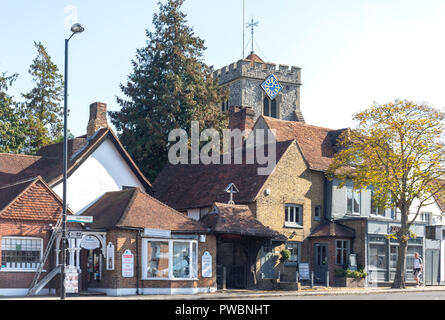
<point x="104" y="171"/>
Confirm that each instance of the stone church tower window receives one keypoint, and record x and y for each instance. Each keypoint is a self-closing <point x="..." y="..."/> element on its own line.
<point x="245" y="78"/>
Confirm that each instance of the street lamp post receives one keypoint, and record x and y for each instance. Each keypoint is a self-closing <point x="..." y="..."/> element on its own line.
<point x="76" y="28"/>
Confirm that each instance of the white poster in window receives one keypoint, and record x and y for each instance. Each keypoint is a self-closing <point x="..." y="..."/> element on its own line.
<point x="127" y="264"/>
<point x="110" y="256"/>
<point x="206" y="264"/>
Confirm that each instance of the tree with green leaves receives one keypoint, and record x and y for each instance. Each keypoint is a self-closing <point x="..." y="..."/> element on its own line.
<point x="13" y="120"/>
<point x="44" y="101"/>
<point x="170" y="86"/>
<point x="397" y="149"/>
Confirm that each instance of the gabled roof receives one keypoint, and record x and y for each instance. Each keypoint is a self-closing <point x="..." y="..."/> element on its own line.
<point x="317" y="144"/>
<point x="30" y="199"/>
<point x="197" y="186"/>
<point x="332" y="230"/>
<point x="48" y="163"/>
<point x="133" y="208"/>
<point x="238" y="220"/>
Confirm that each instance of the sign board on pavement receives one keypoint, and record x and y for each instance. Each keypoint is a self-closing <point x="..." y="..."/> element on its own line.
<point x="303" y="271"/>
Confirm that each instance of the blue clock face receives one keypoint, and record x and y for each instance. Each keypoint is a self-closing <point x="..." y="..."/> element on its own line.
<point x="272" y="87"/>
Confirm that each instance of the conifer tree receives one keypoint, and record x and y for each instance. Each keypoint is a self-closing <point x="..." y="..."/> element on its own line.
<point x="170" y="86"/>
<point x="13" y="121"/>
<point x="43" y="102"/>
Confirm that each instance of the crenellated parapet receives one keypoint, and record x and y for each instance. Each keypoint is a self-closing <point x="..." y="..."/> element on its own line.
<point x="258" y="70"/>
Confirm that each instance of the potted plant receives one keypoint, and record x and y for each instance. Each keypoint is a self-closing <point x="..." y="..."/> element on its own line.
<point x="350" y="278"/>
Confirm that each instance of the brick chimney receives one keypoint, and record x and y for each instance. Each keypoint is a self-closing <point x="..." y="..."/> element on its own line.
<point x="241" y="118"/>
<point x="98" y="118"/>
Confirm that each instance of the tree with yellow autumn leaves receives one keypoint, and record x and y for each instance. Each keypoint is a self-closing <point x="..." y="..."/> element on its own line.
<point x="397" y="149"/>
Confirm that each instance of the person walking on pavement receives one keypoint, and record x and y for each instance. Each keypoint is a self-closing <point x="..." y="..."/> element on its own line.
<point x="418" y="268"/>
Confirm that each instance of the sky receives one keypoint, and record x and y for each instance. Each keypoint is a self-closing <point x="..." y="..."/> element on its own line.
<point x="352" y="52"/>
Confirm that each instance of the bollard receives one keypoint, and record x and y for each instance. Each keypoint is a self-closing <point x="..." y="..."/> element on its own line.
<point x="312" y="279"/>
<point x="297" y="277"/>
<point x="327" y="279"/>
<point x="224" y="278"/>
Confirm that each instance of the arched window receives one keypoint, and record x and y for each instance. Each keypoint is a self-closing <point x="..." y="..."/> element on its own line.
<point x="273" y="109"/>
<point x="266" y="108"/>
<point x="270" y="108"/>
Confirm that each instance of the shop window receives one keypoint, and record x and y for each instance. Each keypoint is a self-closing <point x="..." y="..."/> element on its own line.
<point x="377" y="256"/>
<point x="293" y="216"/>
<point x="157" y="260"/>
<point x="342" y="251"/>
<point x="353" y="201"/>
<point x="170" y="259"/>
<point x="21" y="253"/>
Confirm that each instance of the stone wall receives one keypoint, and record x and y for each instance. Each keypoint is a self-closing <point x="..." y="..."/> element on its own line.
<point x="244" y="82"/>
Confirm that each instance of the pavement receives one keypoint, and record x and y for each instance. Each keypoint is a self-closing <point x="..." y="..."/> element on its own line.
<point x="250" y="294"/>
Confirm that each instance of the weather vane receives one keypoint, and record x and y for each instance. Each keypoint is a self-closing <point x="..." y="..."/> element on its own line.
<point x="253" y="24"/>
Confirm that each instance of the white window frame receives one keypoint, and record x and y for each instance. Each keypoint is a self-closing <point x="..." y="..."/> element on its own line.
<point x="342" y="249"/>
<point x="296" y="223"/>
<point x="170" y="259"/>
<point x="354" y="192"/>
<point x="9" y="269"/>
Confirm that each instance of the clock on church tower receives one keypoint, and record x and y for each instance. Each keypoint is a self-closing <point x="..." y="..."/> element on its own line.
<point x="271" y="86"/>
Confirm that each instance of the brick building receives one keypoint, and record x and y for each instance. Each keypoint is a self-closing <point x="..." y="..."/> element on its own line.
<point x="167" y="248"/>
<point x="28" y="208"/>
<point x="290" y="200"/>
<point x="100" y="173"/>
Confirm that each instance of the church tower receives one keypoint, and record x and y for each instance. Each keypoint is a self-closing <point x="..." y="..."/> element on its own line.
<point x="261" y="86"/>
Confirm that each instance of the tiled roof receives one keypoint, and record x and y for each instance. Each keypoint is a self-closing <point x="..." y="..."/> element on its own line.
<point x="17" y="167"/>
<point x="238" y="220"/>
<point x="48" y="163"/>
<point x="254" y="58"/>
<point x="316" y="143"/>
<point x="332" y="230"/>
<point x="133" y="208"/>
<point x="196" y="186"/>
<point x="29" y="200"/>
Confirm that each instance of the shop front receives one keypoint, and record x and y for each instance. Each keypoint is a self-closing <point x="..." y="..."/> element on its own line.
<point x="382" y="253"/>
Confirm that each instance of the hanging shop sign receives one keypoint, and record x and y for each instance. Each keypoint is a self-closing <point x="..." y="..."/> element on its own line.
<point x="90" y="243"/>
<point x="74" y="234"/>
<point x="206" y="263"/>
<point x="128" y="264"/>
<point x="79" y="219"/>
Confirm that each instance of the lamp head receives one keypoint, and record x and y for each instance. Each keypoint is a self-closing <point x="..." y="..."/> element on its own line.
<point x="77" y="28"/>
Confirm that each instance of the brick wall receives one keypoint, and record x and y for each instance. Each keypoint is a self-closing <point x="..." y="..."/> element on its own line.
<point x="359" y="243"/>
<point x="291" y="183"/>
<point x="21" y="228"/>
<point x="126" y="240"/>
